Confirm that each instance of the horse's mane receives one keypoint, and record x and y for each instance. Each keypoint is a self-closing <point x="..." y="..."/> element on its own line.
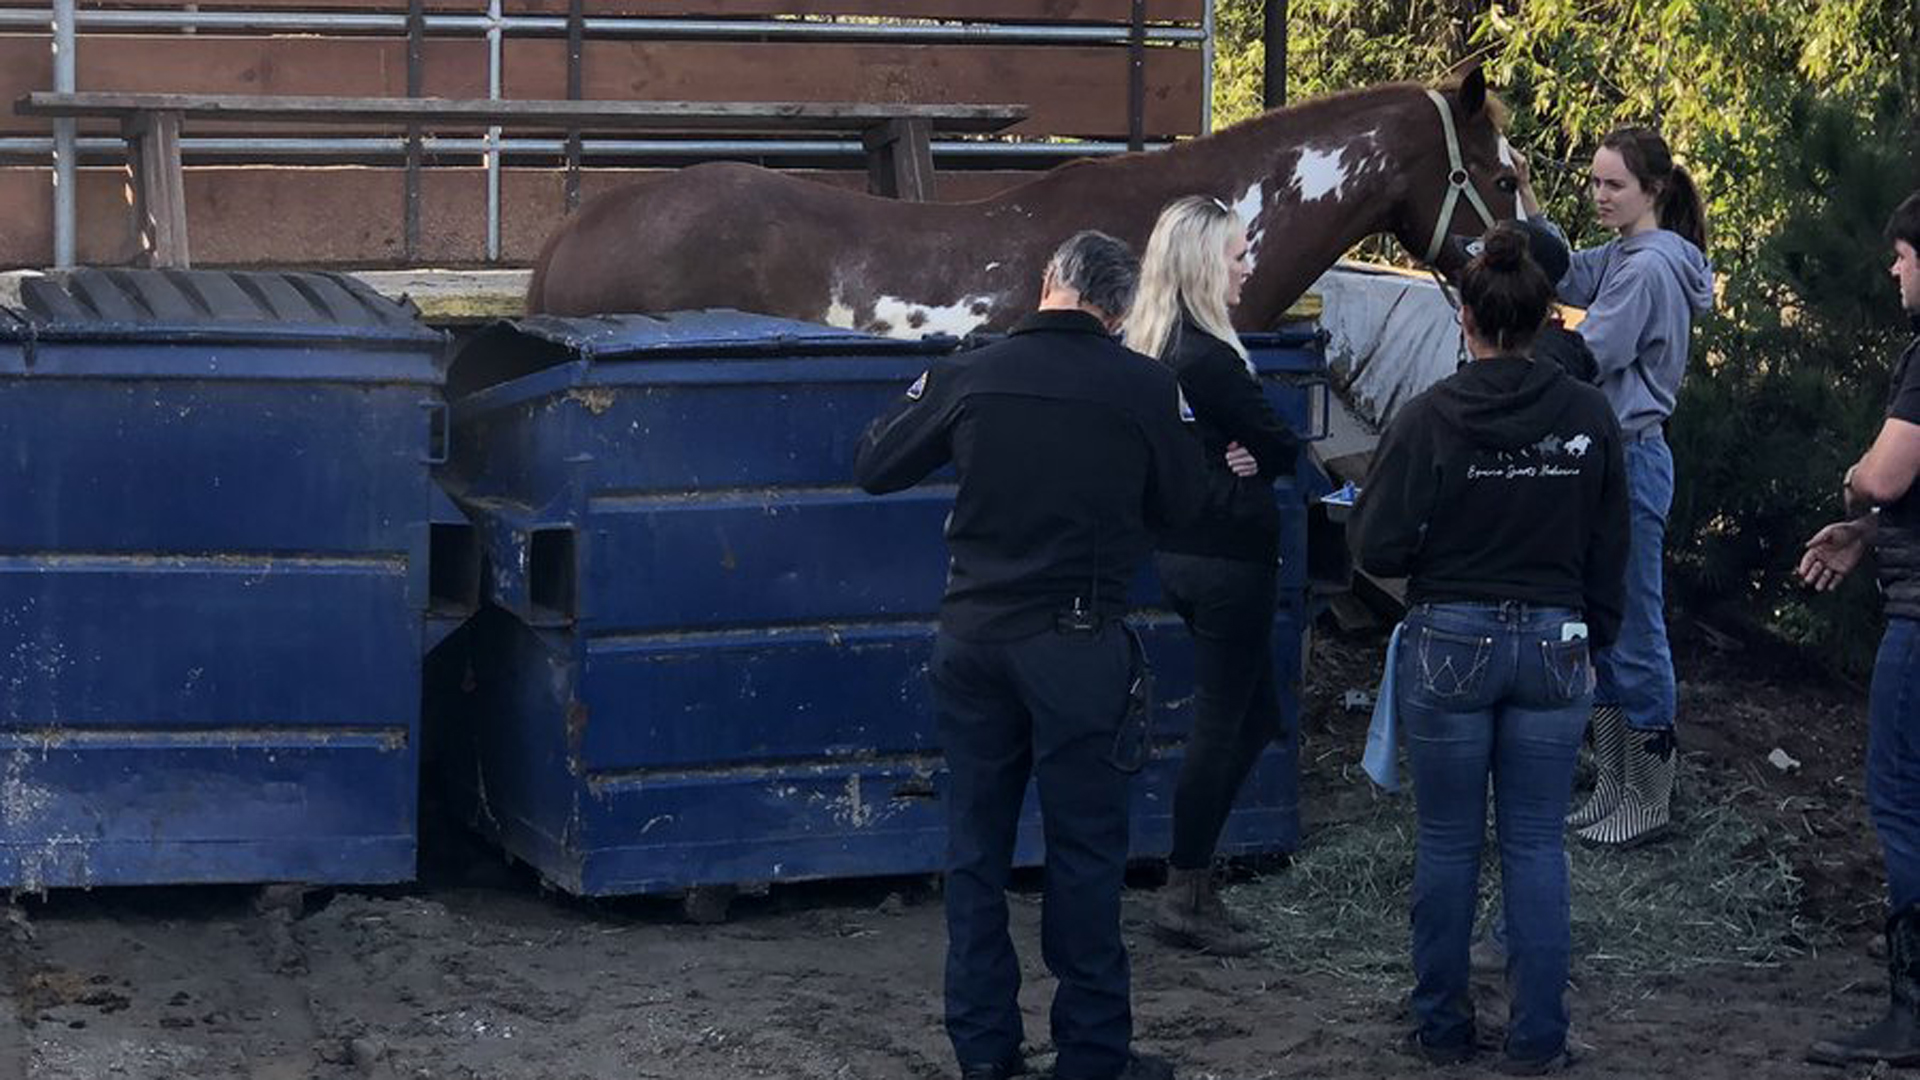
<point x="1496" y="107"/>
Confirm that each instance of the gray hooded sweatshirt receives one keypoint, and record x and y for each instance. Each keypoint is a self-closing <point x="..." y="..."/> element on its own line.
<point x="1641" y="295"/>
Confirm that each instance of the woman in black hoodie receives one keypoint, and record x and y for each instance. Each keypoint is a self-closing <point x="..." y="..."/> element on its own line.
<point x="1221" y="574"/>
<point x="1500" y="493"/>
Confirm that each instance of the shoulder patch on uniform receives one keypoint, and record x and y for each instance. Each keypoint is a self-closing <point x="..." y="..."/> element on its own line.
<point x="919" y="387"/>
<point x="1186" y="410"/>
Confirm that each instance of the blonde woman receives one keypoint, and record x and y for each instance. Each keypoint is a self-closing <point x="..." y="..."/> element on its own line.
<point x="1221" y="572"/>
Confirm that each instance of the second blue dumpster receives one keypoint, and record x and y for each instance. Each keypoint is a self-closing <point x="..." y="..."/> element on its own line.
<point x="705" y="660"/>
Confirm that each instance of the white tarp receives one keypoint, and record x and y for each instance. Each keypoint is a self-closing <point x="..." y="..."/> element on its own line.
<point x="1390" y="335"/>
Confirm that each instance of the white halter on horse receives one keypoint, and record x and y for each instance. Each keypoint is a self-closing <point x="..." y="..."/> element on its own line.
<point x="1458" y="182"/>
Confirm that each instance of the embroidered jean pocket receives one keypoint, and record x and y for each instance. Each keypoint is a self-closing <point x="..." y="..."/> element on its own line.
<point x="1569" y="667"/>
<point x="1452" y="665"/>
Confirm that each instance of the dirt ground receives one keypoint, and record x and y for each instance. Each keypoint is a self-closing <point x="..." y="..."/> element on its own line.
<point x="477" y="973"/>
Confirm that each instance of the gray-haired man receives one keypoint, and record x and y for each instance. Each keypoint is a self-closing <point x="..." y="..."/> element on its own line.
<point x="1070" y="449"/>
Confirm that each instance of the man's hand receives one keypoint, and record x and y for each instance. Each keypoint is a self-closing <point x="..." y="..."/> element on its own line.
<point x="1241" y="460"/>
<point x="1833" y="553"/>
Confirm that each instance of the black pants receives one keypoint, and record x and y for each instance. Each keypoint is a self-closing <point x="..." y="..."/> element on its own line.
<point x="1047" y="706"/>
<point x="1228" y="605"/>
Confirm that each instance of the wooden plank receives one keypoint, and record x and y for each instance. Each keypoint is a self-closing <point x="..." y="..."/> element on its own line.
<point x="160" y="201"/>
<point x="1006" y="11"/>
<point x="1079" y="91"/>
<point x="900" y="159"/>
<point x="339" y="217"/>
<point x="827" y="118"/>
<point x="1070" y="90"/>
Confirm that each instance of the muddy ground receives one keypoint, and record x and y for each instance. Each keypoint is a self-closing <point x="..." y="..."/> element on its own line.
<point x="478" y="973"/>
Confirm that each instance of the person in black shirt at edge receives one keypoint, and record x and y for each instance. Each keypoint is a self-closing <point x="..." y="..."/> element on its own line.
<point x="1883" y="515"/>
<point x="1070" y="450"/>
<point x="1221" y="573"/>
<point x="1500" y="493"/>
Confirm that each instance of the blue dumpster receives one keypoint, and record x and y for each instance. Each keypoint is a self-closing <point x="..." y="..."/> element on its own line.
<point x="213" y="578"/>
<point x="704" y="659"/>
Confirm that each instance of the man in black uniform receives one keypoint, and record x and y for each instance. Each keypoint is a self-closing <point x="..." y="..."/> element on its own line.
<point x="1069" y="449"/>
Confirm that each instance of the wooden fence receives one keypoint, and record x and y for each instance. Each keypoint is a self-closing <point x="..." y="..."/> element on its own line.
<point x="261" y="195"/>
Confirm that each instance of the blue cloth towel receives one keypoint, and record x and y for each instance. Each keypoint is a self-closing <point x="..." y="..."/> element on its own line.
<point x="1381" y="759"/>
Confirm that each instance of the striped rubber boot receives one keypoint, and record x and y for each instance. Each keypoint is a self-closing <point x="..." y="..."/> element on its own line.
<point x="1645" y="808"/>
<point x="1609" y="767"/>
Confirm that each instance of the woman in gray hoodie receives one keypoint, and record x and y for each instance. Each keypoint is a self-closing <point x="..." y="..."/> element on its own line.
<point x="1641" y="293"/>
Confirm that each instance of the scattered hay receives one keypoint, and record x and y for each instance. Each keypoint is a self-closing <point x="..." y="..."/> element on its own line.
<point x="1718" y="890"/>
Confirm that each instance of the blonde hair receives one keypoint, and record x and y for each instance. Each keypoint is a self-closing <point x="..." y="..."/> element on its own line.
<point x="1185" y="268"/>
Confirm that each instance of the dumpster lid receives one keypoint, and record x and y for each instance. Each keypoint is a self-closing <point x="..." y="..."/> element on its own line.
<point x="1295" y="347"/>
<point x="717" y="331"/>
<point x="171" y="305"/>
<point x="510" y="349"/>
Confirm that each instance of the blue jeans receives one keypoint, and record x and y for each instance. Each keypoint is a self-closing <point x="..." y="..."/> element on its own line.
<point x="1491" y="689"/>
<point x="1893" y="758"/>
<point x="1636" y="674"/>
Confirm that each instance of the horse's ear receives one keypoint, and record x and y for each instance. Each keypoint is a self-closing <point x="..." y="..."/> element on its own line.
<point x="1473" y="92"/>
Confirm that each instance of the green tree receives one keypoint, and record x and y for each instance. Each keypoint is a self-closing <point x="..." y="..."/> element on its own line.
<point x="1797" y="119"/>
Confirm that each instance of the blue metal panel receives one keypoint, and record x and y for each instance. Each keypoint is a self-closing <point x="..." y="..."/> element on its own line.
<point x="765" y="557"/>
<point x="707" y="663"/>
<point x="159" y="642"/>
<point x="213" y="578"/>
<point x="141" y="465"/>
<point x="606" y="799"/>
<point x="135" y="806"/>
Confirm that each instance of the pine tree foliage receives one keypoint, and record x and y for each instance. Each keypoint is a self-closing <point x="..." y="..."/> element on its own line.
<point x="1798" y="119"/>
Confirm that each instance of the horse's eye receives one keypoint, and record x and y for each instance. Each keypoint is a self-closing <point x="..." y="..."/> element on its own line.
<point x="1507" y="184"/>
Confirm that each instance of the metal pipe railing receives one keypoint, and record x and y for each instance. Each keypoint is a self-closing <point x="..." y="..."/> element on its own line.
<point x="111" y="149"/>
<point x="606" y="26"/>
<point x="494" y="26"/>
<point x="64" y="224"/>
<point x="1207" y="59"/>
<point x="495" y="59"/>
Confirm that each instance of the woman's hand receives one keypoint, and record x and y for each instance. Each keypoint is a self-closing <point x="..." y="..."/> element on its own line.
<point x="1523" y="182"/>
<point x="1241" y="460"/>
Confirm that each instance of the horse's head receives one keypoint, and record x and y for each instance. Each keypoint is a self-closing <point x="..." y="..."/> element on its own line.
<point x="1461" y="179"/>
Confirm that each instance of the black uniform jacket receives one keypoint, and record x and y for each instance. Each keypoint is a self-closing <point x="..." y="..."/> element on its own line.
<point x="1240" y="519"/>
<point x="1071" y="452"/>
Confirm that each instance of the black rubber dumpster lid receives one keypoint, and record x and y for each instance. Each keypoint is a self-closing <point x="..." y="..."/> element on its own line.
<point x="511" y="349"/>
<point x="96" y="304"/>
<point x="715" y="332"/>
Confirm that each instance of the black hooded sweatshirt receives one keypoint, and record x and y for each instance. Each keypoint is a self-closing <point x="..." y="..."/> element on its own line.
<point x="1504" y="481"/>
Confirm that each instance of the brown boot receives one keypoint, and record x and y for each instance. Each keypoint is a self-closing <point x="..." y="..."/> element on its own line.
<point x="1189" y="913"/>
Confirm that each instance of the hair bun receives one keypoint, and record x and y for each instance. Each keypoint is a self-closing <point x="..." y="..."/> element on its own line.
<point x="1504" y="249"/>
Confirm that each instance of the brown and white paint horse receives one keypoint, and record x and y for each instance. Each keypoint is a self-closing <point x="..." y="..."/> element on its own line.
<point x="1311" y="180"/>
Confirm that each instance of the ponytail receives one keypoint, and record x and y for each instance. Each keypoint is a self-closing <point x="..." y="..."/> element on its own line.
<point x="1681" y="209"/>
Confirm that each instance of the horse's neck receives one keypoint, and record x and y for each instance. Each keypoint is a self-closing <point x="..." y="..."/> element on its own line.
<point x="1329" y="175"/>
<point x="1311" y="180"/>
